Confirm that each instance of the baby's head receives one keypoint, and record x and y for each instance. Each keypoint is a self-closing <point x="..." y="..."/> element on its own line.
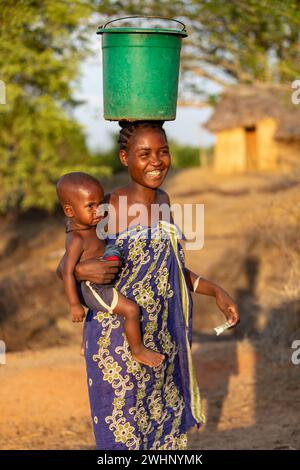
<point x="80" y="194"/>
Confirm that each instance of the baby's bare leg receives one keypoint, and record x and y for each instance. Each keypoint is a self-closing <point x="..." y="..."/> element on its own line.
<point x="130" y="311"/>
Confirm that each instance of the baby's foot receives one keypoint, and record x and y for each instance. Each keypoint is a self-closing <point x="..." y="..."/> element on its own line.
<point x="82" y="351"/>
<point x="148" y="357"/>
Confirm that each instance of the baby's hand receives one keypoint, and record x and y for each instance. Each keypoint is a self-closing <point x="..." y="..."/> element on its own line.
<point x="77" y="313"/>
<point x="228" y="307"/>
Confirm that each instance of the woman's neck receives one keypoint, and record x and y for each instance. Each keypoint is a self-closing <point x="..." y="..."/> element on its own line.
<point x="135" y="194"/>
<point x="141" y="194"/>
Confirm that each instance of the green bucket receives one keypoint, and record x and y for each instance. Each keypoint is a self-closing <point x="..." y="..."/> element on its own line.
<point x="140" y="72"/>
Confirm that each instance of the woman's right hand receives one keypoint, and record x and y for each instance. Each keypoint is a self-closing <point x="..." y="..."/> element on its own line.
<point x="97" y="271"/>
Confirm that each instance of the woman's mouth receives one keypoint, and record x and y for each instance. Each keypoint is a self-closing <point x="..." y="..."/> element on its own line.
<point x="154" y="173"/>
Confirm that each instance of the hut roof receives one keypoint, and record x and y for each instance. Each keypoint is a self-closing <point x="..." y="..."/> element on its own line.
<point x="245" y="106"/>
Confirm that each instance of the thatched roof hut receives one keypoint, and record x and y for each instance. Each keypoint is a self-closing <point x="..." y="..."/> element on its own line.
<point x="256" y="128"/>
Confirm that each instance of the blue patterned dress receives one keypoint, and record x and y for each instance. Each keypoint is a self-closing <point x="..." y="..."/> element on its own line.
<point x="134" y="406"/>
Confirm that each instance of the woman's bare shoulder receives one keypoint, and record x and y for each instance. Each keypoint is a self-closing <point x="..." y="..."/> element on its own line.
<point x="114" y="194"/>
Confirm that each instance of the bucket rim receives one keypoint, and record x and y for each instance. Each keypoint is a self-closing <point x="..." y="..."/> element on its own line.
<point x="176" y="32"/>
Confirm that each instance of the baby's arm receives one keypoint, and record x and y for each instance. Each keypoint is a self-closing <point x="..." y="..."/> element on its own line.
<point x="74" y="248"/>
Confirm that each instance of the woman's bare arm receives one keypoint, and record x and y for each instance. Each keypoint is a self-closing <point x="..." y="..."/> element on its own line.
<point x="97" y="271"/>
<point x="93" y="270"/>
<point x="223" y="300"/>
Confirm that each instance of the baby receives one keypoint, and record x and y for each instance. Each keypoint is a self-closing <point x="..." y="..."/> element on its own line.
<point x="80" y="195"/>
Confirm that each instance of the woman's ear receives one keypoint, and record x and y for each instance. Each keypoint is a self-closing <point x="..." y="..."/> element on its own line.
<point x="123" y="157"/>
<point x="68" y="210"/>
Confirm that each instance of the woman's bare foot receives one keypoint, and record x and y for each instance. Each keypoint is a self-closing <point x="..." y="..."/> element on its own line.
<point x="148" y="357"/>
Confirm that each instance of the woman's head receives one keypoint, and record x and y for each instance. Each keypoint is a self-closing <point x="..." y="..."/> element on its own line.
<point x="144" y="150"/>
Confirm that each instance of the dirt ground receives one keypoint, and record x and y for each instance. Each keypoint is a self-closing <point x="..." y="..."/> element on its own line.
<point x="252" y="400"/>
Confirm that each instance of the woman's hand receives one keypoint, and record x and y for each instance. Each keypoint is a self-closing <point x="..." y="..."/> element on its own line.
<point x="227" y="306"/>
<point x="97" y="271"/>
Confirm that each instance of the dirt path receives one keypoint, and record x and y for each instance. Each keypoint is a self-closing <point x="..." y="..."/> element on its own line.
<point x="44" y="402"/>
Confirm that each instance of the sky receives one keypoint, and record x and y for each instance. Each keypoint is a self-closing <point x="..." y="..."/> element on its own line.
<point x="186" y="129"/>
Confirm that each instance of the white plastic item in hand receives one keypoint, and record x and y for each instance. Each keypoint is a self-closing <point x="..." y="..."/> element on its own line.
<point x="221" y="328"/>
<point x="195" y="285"/>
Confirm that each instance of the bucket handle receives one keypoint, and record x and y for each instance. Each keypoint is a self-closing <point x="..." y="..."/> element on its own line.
<point x="143" y="16"/>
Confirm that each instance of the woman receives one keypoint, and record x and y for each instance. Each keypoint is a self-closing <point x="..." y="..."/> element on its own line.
<point x="134" y="406"/>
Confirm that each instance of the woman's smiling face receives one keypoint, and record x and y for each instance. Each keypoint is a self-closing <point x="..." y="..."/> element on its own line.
<point x="147" y="157"/>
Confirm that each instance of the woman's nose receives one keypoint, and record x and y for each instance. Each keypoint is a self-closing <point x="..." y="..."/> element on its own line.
<point x="155" y="159"/>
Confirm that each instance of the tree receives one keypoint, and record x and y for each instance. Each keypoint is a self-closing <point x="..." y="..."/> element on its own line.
<point x="41" y="45"/>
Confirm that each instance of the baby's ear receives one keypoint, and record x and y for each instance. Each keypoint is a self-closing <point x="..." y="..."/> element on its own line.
<point x="123" y="157"/>
<point x="68" y="210"/>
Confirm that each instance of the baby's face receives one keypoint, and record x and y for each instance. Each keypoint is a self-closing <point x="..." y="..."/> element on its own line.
<point x="86" y="203"/>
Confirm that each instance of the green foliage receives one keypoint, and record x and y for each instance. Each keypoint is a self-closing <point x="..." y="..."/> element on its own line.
<point x="110" y="158"/>
<point x="183" y="156"/>
<point x="41" y="44"/>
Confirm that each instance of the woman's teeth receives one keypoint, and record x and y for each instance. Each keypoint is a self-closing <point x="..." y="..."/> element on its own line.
<point x="154" y="173"/>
